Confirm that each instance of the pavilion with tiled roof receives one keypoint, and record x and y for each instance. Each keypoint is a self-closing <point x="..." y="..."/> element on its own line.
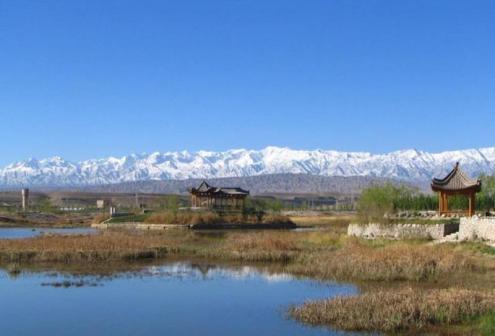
<point x="206" y="196"/>
<point x="455" y="183"/>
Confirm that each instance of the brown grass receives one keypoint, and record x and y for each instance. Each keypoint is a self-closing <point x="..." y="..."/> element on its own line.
<point x="260" y="246"/>
<point x="400" y="261"/>
<point x="79" y="248"/>
<point x="207" y="217"/>
<point x="397" y="310"/>
<point x="324" y="255"/>
<point x="100" y="218"/>
<point x="113" y="245"/>
<point x="184" y="218"/>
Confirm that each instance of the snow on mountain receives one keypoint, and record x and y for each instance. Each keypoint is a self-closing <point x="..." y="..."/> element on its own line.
<point x="406" y="165"/>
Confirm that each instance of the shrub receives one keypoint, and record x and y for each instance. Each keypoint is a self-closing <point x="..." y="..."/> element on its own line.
<point x="377" y="202"/>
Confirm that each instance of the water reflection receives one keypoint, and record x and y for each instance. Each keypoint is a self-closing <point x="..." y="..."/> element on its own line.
<point x="176" y="298"/>
<point x="18" y="233"/>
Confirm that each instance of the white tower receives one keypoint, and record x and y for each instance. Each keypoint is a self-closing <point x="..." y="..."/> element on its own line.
<point x="25" y="199"/>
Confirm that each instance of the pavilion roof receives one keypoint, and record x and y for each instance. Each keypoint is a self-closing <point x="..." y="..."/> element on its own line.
<point x="204" y="187"/>
<point x="233" y="191"/>
<point x="456" y="181"/>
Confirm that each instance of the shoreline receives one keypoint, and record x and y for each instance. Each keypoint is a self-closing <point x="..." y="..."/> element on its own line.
<point x="219" y="226"/>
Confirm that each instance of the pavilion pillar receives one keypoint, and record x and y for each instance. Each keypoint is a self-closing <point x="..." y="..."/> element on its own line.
<point x="440" y="202"/>
<point x="443" y="202"/>
<point x="446" y="203"/>
<point x="472" y="205"/>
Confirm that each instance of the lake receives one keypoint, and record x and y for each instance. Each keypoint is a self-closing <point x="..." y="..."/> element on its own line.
<point x="175" y="298"/>
<point x="17" y="232"/>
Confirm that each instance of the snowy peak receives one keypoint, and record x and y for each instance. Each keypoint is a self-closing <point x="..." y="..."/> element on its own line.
<point x="406" y="165"/>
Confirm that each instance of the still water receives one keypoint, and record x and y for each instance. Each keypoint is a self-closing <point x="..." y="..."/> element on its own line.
<point x="16" y="233"/>
<point x="177" y="298"/>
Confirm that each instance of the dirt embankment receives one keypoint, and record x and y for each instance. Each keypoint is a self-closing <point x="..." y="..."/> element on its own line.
<point x="45" y="219"/>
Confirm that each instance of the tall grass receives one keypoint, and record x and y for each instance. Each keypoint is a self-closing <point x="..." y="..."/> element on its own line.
<point x="324" y="255"/>
<point x="393" y="311"/>
<point x="101" y="217"/>
<point x="260" y="246"/>
<point x="83" y="248"/>
<point x="400" y="261"/>
<point x="209" y="217"/>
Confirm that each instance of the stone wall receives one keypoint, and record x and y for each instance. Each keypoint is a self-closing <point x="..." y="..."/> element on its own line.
<point x="400" y="231"/>
<point x="473" y="228"/>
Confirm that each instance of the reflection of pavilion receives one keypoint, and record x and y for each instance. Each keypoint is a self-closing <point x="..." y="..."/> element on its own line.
<point x="203" y="268"/>
<point x="456" y="183"/>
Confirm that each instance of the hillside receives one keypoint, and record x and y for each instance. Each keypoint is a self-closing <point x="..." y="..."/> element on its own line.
<point x="258" y="185"/>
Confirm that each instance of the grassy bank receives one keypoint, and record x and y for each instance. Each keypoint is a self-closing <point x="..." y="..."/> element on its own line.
<point x="357" y="260"/>
<point x="202" y="217"/>
<point x="40" y="219"/>
<point x="117" y="245"/>
<point x="393" y="311"/>
<point x="324" y="255"/>
<point x="82" y="248"/>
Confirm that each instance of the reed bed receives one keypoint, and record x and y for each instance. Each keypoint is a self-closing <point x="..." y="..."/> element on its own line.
<point x="323" y="255"/>
<point x="185" y="218"/>
<point x="208" y="217"/>
<point x="260" y="246"/>
<point x="83" y="248"/>
<point x="399" y="310"/>
<point x="397" y="262"/>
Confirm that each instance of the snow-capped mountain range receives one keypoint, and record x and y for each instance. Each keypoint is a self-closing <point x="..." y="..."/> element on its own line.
<point x="405" y="165"/>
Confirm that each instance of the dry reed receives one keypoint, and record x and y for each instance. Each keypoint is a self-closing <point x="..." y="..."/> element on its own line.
<point x="319" y="254"/>
<point x="401" y="261"/>
<point x="92" y="248"/>
<point x="397" y="310"/>
<point x="207" y="217"/>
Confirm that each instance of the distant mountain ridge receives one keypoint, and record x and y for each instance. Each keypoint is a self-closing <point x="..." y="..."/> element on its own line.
<point x="405" y="165"/>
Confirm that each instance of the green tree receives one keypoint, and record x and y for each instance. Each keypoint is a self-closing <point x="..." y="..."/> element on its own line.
<point x="378" y="202"/>
<point x="171" y="203"/>
<point x="259" y="207"/>
<point x="485" y="200"/>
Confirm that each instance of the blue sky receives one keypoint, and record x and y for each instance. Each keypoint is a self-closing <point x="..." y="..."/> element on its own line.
<point x="85" y="79"/>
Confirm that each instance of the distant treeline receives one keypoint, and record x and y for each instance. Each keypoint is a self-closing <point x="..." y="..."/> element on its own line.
<point x="377" y="201"/>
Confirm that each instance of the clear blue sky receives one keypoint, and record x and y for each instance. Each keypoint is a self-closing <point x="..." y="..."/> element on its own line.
<point x="86" y="79"/>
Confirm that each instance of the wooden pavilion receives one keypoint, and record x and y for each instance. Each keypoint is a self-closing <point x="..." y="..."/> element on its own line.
<point x="456" y="183"/>
<point x="206" y="196"/>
